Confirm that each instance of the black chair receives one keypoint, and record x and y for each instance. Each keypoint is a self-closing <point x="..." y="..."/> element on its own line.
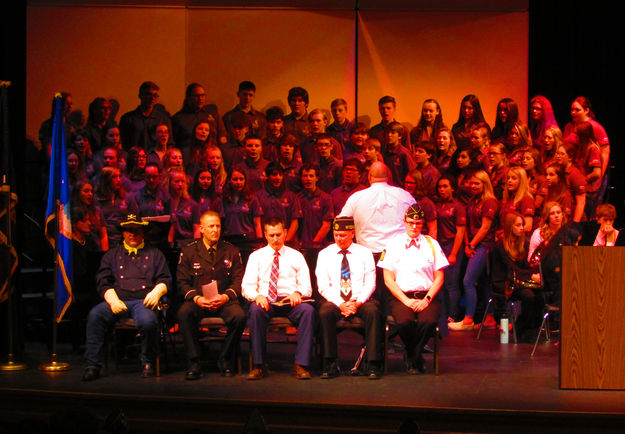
<point x="125" y="325"/>
<point x="277" y="323"/>
<point x="548" y="311"/>
<point x="210" y="329"/>
<point x="511" y="309"/>
<point x="358" y="325"/>
<point x="390" y="322"/>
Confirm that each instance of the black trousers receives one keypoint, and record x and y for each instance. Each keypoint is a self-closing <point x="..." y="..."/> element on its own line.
<point x="189" y="316"/>
<point x="415" y="329"/>
<point x="369" y="312"/>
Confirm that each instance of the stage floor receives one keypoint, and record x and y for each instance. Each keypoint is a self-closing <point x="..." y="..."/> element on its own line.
<point x="483" y="386"/>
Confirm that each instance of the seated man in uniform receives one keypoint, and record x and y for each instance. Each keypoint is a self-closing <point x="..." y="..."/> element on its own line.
<point x="277" y="283"/>
<point x="203" y="263"/>
<point x="132" y="279"/>
<point x="413" y="272"/>
<point x="347" y="283"/>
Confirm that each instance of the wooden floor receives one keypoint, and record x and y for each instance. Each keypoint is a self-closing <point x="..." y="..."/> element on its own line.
<point x="483" y="386"/>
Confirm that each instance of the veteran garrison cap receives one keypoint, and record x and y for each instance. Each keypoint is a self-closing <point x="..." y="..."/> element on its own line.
<point x="415" y="212"/>
<point x="343" y="223"/>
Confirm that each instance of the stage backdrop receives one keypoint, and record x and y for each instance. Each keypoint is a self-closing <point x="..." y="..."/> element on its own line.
<point x="108" y="50"/>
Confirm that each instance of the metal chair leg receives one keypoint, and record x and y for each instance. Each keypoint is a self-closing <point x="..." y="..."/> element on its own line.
<point x="437" y="338"/>
<point x="540" y="330"/>
<point x="512" y="319"/>
<point x="386" y="333"/>
<point x="479" y="332"/>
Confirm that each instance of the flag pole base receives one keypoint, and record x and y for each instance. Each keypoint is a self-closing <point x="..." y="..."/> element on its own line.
<point x="55" y="366"/>
<point x="12" y="365"/>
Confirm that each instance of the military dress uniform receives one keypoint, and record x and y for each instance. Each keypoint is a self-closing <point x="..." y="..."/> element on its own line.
<point x="199" y="266"/>
<point x="414" y="261"/>
<point x="132" y="274"/>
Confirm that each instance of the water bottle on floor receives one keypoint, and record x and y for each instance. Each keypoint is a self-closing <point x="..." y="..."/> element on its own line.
<point x="503" y="329"/>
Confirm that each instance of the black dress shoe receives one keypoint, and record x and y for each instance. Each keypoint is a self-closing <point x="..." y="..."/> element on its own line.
<point x="148" y="371"/>
<point x="410" y="362"/>
<point x="225" y="369"/>
<point x="91" y="373"/>
<point x="375" y="373"/>
<point x="331" y="370"/>
<point x="420" y="365"/>
<point x="194" y="372"/>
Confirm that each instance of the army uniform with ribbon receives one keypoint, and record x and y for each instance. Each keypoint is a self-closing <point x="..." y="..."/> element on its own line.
<point x="199" y="266"/>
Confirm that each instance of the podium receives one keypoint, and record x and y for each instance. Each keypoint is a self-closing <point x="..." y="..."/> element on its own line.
<point x="592" y="348"/>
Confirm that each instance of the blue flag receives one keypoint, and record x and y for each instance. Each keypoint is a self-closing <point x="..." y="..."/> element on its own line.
<point x="58" y="202"/>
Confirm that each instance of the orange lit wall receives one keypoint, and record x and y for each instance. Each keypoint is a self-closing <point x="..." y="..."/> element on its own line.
<point x="445" y="56"/>
<point x="108" y="51"/>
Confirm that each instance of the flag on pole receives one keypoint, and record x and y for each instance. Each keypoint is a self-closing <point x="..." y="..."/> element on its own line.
<point x="8" y="200"/>
<point x="58" y="202"/>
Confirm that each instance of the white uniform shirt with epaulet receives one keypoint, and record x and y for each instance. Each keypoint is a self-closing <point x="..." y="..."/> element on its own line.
<point x="413" y="266"/>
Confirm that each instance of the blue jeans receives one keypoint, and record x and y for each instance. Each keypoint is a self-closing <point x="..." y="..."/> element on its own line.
<point x="451" y="287"/>
<point x="101" y="319"/>
<point x="476" y="266"/>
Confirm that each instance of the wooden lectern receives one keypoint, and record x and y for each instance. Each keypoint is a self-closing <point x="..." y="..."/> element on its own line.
<point x="592" y="353"/>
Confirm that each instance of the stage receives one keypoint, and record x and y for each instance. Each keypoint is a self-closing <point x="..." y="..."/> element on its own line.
<point x="483" y="386"/>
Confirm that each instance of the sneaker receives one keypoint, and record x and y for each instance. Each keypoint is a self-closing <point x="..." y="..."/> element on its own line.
<point x="460" y="326"/>
<point x="489" y="322"/>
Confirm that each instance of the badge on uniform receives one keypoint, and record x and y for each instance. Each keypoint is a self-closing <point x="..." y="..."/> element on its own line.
<point x="227" y="263"/>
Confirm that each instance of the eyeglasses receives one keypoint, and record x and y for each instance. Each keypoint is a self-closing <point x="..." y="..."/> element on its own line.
<point x="414" y="223"/>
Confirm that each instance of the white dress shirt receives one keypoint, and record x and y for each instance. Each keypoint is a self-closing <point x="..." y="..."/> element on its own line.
<point x="361" y="269"/>
<point x="293" y="274"/>
<point x="414" y="267"/>
<point x="378" y="212"/>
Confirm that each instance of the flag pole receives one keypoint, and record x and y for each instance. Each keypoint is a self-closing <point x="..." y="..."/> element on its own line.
<point x="54" y="365"/>
<point x="11" y="364"/>
<point x="58" y="156"/>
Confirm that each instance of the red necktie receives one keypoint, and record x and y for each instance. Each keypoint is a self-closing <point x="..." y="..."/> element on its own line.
<point x="273" y="280"/>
